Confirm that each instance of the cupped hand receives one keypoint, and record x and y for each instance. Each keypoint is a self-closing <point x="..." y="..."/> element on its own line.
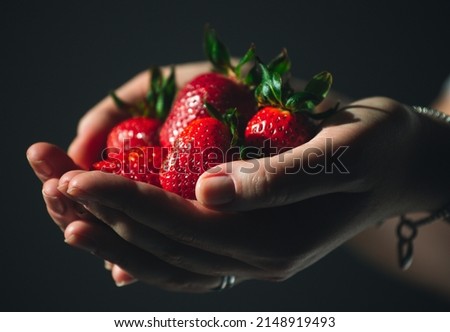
<point x="272" y="217"/>
<point x="49" y="162"/>
<point x="95" y="125"/>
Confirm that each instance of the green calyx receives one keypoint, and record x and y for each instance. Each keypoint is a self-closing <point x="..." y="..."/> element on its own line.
<point x="218" y="54"/>
<point x="229" y="118"/>
<point x="272" y="91"/>
<point x="159" y="97"/>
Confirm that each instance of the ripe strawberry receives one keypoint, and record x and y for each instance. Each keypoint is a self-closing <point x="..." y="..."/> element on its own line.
<point x="220" y="91"/>
<point x="143" y="128"/>
<point x="224" y="88"/>
<point x="134" y="132"/>
<point x="284" y="119"/>
<point x="203" y="144"/>
<point x="138" y="164"/>
<point x="276" y="128"/>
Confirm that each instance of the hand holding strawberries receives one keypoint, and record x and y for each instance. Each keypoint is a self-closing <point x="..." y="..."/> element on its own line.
<point x="265" y="218"/>
<point x="162" y="239"/>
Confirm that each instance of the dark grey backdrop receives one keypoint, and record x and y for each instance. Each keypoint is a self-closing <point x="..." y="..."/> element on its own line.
<point x="60" y="58"/>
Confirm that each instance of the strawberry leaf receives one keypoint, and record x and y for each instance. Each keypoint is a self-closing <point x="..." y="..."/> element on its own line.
<point x="269" y="91"/>
<point x="281" y="64"/>
<point x="117" y="101"/>
<point x="276" y="87"/>
<point x="253" y="77"/>
<point x="160" y="94"/>
<point x="302" y="100"/>
<point x="230" y="118"/>
<point x="216" y="51"/>
<point x="153" y="93"/>
<point x="156" y="80"/>
<point x="122" y="105"/>
<point x="320" y="84"/>
<point x="166" y="94"/>
<point x="248" y="56"/>
<point x="325" y="114"/>
<point x="212" y="111"/>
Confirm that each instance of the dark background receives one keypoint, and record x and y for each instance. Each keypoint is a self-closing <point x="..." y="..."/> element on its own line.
<point x="60" y="58"/>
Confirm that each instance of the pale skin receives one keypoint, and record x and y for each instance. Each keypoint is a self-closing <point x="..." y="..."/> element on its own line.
<point x="147" y="234"/>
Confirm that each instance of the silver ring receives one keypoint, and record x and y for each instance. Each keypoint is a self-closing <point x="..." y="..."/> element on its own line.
<point x="226" y="283"/>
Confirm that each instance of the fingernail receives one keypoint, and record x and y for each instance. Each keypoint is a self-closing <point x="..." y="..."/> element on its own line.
<point x="77" y="194"/>
<point x="82" y="242"/>
<point x="108" y="265"/>
<point x="54" y="203"/>
<point x="62" y="187"/>
<point x="42" y="167"/>
<point x="216" y="190"/>
<point x="126" y="282"/>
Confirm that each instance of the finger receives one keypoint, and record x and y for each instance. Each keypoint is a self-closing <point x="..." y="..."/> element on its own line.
<point x="96" y="123"/>
<point x="61" y="209"/>
<point x="103" y="242"/>
<point x="257" y="239"/>
<point x="172" y="252"/>
<point x="171" y="214"/>
<point x="108" y="265"/>
<point x="246" y="239"/>
<point x="318" y="167"/>
<point x="49" y="161"/>
<point x="121" y="277"/>
<point x="64" y="211"/>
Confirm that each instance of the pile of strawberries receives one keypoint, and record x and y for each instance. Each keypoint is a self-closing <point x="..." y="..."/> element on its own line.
<point x="173" y="137"/>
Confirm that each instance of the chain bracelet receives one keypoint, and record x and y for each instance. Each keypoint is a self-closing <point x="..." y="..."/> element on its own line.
<point x="407" y="231"/>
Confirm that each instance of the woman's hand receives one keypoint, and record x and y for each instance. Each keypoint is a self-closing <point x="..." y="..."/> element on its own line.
<point x="49" y="162"/>
<point x="259" y="219"/>
<point x="285" y="212"/>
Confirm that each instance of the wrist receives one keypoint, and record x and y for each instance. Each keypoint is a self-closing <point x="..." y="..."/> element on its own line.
<point x="431" y="163"/>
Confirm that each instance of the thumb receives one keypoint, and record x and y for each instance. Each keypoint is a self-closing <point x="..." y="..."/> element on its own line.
<point x="313" y="169"/>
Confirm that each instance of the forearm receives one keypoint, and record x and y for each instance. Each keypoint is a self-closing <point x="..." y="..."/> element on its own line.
<point x="431" y="268"/>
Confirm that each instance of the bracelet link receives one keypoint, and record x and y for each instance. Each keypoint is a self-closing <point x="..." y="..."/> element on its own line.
<point x="406" y="233"/>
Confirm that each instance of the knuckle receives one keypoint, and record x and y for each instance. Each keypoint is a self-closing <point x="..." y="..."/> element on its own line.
<point x="261" y="184"/>
<point x="267" y="184"/>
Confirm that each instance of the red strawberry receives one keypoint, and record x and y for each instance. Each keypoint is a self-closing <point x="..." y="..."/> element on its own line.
<point x="218" y="90"/>
<point x="134" y="132"/>
<point x="225" y="88"/>
<point x="284" y="119"/>
<point x="143" y="128"/>
<point x="138" y="164"/>
<point x="204" y="143"/>
<point x="281" y="128"/>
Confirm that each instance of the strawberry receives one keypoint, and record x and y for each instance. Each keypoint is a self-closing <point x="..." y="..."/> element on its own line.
<point x="282" y="128"/>
<point x="285" y="119"/>
<point x="134" y="132"/>
<point x="224" y="88"/>
<point x="132" y="146"/>
<point x="203" y="144"/>
<point x="143" y="128"/>
<point x="138" y="164"/>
